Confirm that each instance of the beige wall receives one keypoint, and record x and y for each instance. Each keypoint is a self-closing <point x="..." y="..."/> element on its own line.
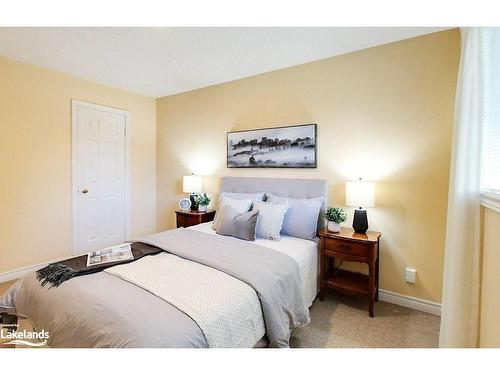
<point x="490" y="296"/>
<point x="383" y="113"/>
<point x="35" y="160"/>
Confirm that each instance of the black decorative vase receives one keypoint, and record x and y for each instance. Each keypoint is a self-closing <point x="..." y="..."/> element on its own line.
<point x="360" y="222"/>
<point x="194" y="205"/>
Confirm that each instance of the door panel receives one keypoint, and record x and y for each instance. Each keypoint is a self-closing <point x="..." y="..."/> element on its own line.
<point x="100" y="178"/>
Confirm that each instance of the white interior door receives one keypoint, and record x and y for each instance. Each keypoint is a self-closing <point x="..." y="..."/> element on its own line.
<point x="99" y="178"/>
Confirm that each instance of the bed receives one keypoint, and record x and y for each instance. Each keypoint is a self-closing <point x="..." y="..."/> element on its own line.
<point x="205" y="290"/>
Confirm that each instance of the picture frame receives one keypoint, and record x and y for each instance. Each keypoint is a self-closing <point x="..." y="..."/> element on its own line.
<point x="293" y="146"/>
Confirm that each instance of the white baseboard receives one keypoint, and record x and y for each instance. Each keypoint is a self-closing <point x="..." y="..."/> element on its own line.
<point x="410" y="302"/>
<point x="20" y="272"/>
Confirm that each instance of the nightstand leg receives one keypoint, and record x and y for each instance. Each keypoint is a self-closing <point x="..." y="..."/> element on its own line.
<point x="321" y="286"/>
<point x="371" y="286"/>
<point x="370" y="308"/>
<point x="322" y="271"/>
<point x="377" y="275"/>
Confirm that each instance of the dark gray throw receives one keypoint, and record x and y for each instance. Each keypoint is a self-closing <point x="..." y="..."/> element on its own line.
<point x="56" y="273"/>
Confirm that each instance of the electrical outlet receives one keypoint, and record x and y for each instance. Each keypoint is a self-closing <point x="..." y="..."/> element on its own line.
<point x="410" y="275"/>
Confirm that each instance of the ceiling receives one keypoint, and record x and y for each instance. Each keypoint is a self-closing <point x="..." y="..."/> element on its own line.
<point x="164" y="61"/>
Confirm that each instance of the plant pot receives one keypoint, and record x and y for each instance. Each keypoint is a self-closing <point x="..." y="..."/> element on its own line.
<point x="333" y="227"/>
<point x="202" y="208"/>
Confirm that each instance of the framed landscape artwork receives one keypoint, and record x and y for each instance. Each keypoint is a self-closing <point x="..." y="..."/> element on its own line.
<point x="285" y="147"/>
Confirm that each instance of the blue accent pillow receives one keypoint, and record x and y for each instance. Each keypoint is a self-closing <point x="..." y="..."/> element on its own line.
<point x="301" y="218"/>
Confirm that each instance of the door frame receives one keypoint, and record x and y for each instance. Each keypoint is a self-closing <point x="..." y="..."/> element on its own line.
<point x="75" y="105"/>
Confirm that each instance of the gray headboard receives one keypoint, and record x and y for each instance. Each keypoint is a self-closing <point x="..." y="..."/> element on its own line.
<point x="285" y="187"/>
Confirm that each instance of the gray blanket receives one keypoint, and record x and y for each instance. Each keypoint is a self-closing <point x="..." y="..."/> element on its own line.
<point x="101" y="310"/>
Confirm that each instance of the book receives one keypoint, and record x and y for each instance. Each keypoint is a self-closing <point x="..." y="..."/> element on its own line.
<point x="110" y="254"/>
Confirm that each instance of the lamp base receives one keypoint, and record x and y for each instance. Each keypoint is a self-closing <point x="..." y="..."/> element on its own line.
<point x="360" y="222"/>
<point x="194" y="205"/>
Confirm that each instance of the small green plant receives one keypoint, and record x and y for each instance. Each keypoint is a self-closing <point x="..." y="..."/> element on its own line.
<point x="337" y="215"/>
<point x="202" y="200"/>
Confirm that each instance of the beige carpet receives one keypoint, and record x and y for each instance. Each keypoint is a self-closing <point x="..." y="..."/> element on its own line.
<point x="343" y="322"/>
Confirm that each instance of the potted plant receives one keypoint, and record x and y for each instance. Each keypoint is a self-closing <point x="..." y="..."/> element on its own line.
<point x="335" y="216"/>
<point x="202" y="201"/>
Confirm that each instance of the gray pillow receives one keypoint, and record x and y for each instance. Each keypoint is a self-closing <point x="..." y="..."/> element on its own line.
<point x="235" y="224"/>
<point x="240" y="205"/>
<point x="301" y="218"/>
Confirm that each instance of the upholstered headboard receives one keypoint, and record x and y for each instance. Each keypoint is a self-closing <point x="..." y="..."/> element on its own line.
<point x="285" y="187"/>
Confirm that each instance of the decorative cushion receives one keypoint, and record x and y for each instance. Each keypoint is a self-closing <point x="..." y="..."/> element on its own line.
<point x="270" y="219"/>
<point x="235" y="224"/>
<point x="240" y="205"/>
<point x="259" y="197"/>
<point x="301" y="219"/>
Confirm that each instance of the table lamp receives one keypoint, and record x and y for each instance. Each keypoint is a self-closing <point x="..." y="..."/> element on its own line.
<point x="360" y="194"/>
<point x="192" y="185"/>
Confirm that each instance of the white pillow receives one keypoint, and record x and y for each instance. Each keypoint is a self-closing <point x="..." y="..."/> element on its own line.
<point x="270" y="219"/>
<point x="239" y="205"/>
<point x="253" y="196"/>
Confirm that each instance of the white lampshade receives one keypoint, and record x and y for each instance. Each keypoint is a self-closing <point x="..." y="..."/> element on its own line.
<point x="191" y="184"/>
<point x="360" y="193"/>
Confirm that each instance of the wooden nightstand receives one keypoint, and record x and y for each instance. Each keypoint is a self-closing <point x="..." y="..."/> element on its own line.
<point x="354" y="247"/>
<point x="188" y="218"/>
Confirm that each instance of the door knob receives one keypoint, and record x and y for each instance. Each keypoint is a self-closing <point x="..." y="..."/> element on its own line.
<point x="85" y="191"/>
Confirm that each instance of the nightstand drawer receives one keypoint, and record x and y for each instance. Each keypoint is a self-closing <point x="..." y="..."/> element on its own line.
<point x="188" y="218"/>
<point x="348" y="248"/>
<point x="186" y="221"/>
